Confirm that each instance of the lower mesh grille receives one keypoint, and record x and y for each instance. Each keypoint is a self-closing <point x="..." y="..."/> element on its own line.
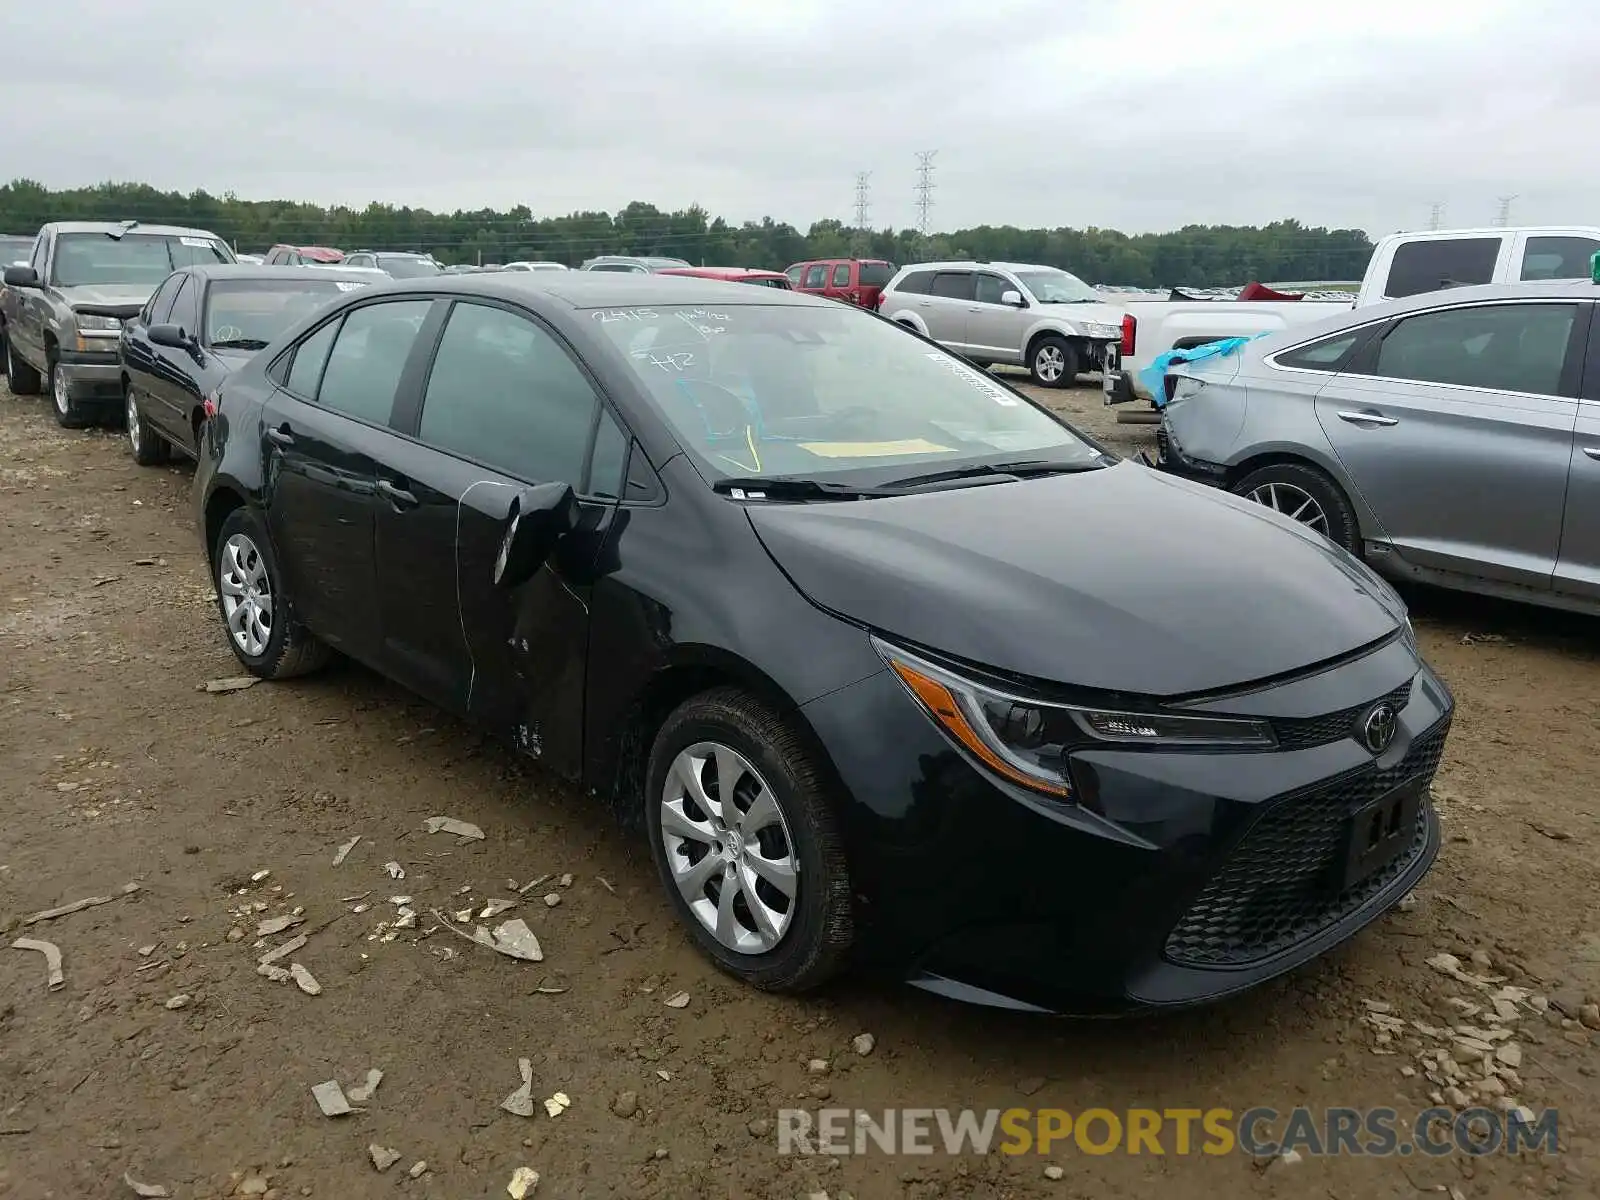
<point x="1280" y="884"/>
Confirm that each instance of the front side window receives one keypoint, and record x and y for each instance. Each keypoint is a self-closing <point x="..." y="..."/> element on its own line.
<point x="247" y="314"/>
<point x="160" y="305"/>
<point x="133" y="258"/>
<point x="1507" y="347"/>
<point x="990" y="288"/>
<point x="795" y="272"/>
<point x="14" y="250"/>
<point x="815" y="274"/>
<point x="367" y="358"/>
<point x="185" y="307"/>
<point x="1559" y="257"/>
<point x="1050" y="286"/>
<point x="504" y="393"/>
<point x="1432" y="264"/>
<point x="779" y="390"/>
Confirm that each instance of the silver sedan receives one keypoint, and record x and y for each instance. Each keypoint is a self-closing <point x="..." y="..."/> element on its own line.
<point x="1451" y="438"/>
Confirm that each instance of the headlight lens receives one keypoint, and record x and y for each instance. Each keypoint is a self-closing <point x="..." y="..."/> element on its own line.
<point x="93" y="323"/>
<point x="1097" y="329"/>
<point x="1027" y="741"/>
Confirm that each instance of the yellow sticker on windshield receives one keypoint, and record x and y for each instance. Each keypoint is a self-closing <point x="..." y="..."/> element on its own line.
<point x="873" y="449"/>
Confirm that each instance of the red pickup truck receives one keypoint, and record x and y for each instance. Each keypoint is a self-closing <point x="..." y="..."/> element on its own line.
<point x="852" y="280"/>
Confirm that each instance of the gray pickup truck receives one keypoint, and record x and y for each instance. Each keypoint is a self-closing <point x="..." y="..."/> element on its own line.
<point x="61" y="314"/>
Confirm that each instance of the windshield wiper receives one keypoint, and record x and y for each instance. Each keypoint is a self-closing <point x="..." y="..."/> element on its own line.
<point x="240" y="344"/>
<point x="756" y="488"/>
<point x="1000" y="472"/>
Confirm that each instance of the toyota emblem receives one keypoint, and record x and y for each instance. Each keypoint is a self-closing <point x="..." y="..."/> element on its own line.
<point x="1377" y="728"/>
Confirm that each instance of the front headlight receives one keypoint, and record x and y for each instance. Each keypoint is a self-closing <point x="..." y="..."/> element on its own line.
<point x="93" y="323"/>
<point x="1097" y="329"/>
<point x="1026" y="741"/>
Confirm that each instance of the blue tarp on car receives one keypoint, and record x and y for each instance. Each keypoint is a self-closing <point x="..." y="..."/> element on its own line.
<point x="1153" y="377"/>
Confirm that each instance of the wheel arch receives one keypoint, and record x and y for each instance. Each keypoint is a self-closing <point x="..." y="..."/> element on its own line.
<point x="1267" y="456"/>
<point x="1039" y="333"/>
<point x="222" y="503"/>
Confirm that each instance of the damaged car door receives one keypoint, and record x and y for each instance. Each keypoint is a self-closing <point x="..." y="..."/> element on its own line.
<point x="505" y="408"/>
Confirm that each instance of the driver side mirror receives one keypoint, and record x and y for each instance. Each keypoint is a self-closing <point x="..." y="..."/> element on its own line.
<point x="540" y="517"/>
<point x="173" y="336"/>
<point x="21" y="276"/>
<point x="1012" y="297"/>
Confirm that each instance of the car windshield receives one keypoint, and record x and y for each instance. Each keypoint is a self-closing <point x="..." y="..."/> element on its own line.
<point x="247" y="314"/>
<point x="809" y="393"/>
<point x="404" y="266"/>
<point x="876" y="274"/>
<point x="1050" y="286"/>
<point x="133" y="258"/>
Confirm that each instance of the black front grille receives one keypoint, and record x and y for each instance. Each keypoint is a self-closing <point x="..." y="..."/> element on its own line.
<point x="1298" y="733"/>
<point x="1281" y="883"/>
<point x="1163" y="445"/>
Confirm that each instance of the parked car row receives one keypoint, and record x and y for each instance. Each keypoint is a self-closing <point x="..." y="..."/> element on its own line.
<point x="891" y="692"/>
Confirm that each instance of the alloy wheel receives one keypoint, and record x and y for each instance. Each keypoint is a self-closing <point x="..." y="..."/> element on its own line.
<point x="728" y="848"/>
<point x="58" y="391"/>
<point x="1292" y="502"/>
<point x="135" y="426"/>
<point x="246" y="591"/>
<point x="1049" y="363"/>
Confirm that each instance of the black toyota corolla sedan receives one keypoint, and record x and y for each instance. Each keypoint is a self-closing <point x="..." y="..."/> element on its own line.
<point x="201" y="324"/>
<point x="895" y="666"/>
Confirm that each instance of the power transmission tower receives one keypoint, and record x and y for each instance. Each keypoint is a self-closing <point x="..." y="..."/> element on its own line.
<point x="1437" y="219"/>
<point x="862" y="234"/>
<point x="925" y="187"/>
<point x="1505" y="211"/>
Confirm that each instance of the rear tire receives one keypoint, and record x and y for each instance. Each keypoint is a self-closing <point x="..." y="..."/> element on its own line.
<point x="1305" y="493"/>
<point x="782" y="820"/>
<point x="23" y="379"/>
<point x="1054" y="362"/>
<point x="69" y="413"/>
<point x="243" y="570"/>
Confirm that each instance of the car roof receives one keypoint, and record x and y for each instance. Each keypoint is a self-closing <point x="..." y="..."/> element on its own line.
<point x="256" y="271"/>
<point x="1555" y="289"/>
<point x="967" y="264"/>
<point x="725" y="272"/>
<point x="604" y="289"/>
<point x="130" y="227"/>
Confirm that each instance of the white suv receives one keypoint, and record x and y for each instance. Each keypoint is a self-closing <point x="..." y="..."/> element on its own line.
<point x="1042" y="318"/>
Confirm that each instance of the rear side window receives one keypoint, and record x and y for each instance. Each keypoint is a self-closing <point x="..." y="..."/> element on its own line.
<point x="1330" y="354"/>
<point x="504" y="393"/>
<point x="1558" y="257"/>
<point x="876" y="274"/>
<point x="917" y="283"/>
<point x="367" y="359"/>
<point x="1436" y="263"/>
<point x="841" y="275"/>
<point x="955" y="285"/>
<point x="1506" y="347"/>
<point x="308" y="360"/>
<point x="815" y="274"/>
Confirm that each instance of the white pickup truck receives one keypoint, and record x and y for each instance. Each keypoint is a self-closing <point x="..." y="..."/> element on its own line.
<point x="1402" y="264"/>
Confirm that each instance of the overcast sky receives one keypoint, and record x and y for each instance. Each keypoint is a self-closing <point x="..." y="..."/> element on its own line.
<point x="1128" y="114"/>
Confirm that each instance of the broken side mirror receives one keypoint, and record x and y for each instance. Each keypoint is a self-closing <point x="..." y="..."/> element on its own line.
<point x="540" y="517"/>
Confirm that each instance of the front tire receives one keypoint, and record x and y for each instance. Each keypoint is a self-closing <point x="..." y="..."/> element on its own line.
<point x="69" y="413"/>
<point x="747" y="843"/>
<point x="1054" y="362"/>
<point x="1301" y="491"/>
<point x="256" y="613"/>
<point x="22" y="379"/>
<point x="149" y="447"/>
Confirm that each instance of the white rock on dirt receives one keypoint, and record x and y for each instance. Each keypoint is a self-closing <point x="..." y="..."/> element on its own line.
<point x="417" y="1168"/>
<point x="382" y="1157"/>
<point x="177" y="1002"/>
<point x="330" y="1098"/>
<point x="523" y="1182"/>
<point x="304" y="980"/>
<point x="677" y="1000"/>
<point x="1053" y="1173"/>
<point x="863" y="1044"/>
<point x="364" y="1092"/>
<point x="552" y="899"/>
<point x="558" y="1104"/>
<point x="151" y="1191"/>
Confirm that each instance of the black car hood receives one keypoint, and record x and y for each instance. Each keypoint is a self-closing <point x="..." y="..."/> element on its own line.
<point x="1119" y="578"/>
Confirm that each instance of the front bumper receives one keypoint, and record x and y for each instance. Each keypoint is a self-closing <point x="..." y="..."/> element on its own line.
<point x="1178" y="878"/>
<point x="94" y="376"/>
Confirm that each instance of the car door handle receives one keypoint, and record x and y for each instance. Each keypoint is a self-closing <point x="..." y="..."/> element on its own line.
<point x="280" y="436"/>
<point x="1367" y="418"/>
<point x="396" y="495"/>
<point x="1593" y="452"/>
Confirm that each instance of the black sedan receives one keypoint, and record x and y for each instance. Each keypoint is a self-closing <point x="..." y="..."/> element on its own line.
<point x="891" y="663"/>
<point x="200" y="325"/>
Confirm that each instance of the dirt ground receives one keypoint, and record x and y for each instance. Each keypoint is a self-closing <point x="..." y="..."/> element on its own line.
<point x="114" y="769"/>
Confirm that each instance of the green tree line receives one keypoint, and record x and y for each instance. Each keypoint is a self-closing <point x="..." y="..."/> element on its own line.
<point x="1194" y="256"/>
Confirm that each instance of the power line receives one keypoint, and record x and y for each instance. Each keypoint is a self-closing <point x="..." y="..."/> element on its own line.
<point x="925" y="187"/>
<point x="862" y="196"/>
<point x="1505" y="211"/>
<point x="1437" y="219"/>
